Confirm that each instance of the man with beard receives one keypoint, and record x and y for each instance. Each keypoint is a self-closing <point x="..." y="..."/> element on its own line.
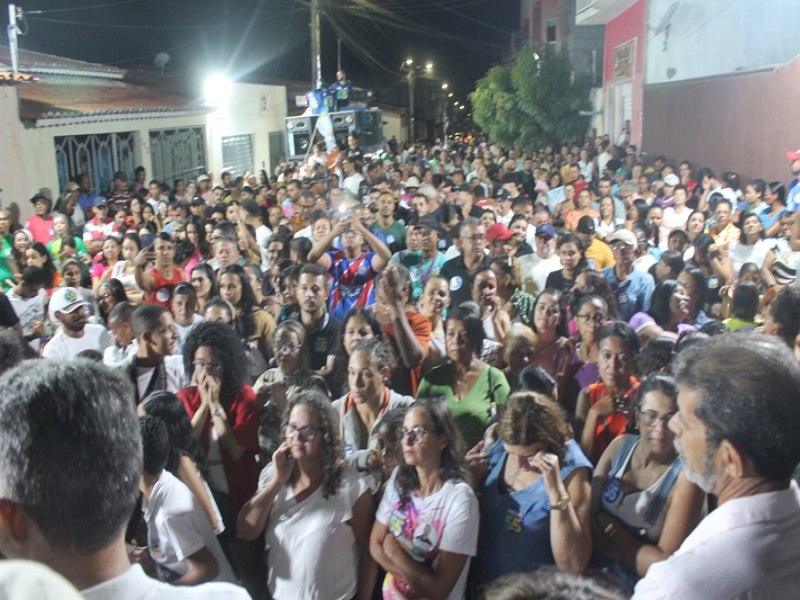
<point x="390" y="231"/>
<point x="459" y="271"/>
<point x="736" y="427"/>
<point x="76" y="334"/>
<point x="322" y="331"/>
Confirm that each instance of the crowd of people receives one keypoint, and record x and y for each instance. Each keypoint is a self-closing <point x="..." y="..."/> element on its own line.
<point x="433" y="372"/>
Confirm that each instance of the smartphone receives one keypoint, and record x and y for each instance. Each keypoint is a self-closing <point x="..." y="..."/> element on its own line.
<point x="147" y="240"/>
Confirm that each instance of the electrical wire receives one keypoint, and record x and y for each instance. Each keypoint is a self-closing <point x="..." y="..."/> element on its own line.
<point x="59" y="10"/>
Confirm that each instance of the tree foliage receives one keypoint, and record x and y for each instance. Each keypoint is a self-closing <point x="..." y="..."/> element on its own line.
<point x="532" y="102"/>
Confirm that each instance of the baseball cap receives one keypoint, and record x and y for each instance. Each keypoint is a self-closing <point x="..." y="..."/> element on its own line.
<point x="793" y="155"/>
<point x="546" y="229"/>
<point x="672" y="179"/>
<point x="498" y="232"/>
<point x="65" y="300"/>
<point x="39" y="196"/>
<point x="429" y="222"/>
<point x="202" y="178"/>
<point x="625" y="236"/>
<point x="586" y="225"/>
<point x="100" y="201"/>
<point x="503" y="194"/>
<point x="197" y="201"/>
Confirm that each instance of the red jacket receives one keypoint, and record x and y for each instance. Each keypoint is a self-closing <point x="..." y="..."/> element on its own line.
<point x="242" y="474"/>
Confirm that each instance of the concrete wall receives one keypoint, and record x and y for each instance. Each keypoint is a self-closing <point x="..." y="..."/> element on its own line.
<point x="745" y="123"/>
<point x="251" y="109"/>
<point x="27" y="156"/>
<point x="394" y="125"/>
<point x="716" y="37"/>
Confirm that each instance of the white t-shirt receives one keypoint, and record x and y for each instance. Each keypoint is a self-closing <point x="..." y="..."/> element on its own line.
<point x="675" y="220"/>
<point x="183" y="331"/>
<point x="29" y="310"/>
<point x="63" y="347"/>
<point x="177" y="527"/>
<point x="533" y="271"/>
<point x="133" y="584"/>
<point x="446" y="520"/>
<point x="312" y="549"/>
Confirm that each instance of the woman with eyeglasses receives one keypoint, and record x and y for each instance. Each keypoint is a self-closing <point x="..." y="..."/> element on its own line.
<point x="605" y="408"/>
<point x="471" y="388"/>
<point x="276" y="385"/>
<point x="425" y="530"/>
<point x="315" y="511"/>
<point x="224" y="416"/>
<point x="591" y="313"/>
<point x="109" y="294"/>
<point x="643" y="505"/>
<point x="534" y="493"/>
<point x="362" y="409"/>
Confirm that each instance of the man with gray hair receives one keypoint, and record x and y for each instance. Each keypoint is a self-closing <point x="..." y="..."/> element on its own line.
<point x="72" y="457"/>
<point x="736" y="427"/>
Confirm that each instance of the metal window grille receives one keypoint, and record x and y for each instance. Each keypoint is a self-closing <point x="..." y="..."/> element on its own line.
<point x="178" y="153"/>
<point x="237" y="154"/>
<point x="98" y="155"/>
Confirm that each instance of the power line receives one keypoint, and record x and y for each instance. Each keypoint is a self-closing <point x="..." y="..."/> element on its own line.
<point x="59" y="10"/>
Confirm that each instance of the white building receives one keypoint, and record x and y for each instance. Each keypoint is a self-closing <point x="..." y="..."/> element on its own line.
<point x="83" y="117"/>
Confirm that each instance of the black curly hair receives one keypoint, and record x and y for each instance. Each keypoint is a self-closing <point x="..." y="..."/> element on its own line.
<point x="227" y="348"/>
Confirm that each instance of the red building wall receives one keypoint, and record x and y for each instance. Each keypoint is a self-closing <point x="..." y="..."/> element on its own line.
<point x="629" y="25"/>
<point x="740" y="122"/>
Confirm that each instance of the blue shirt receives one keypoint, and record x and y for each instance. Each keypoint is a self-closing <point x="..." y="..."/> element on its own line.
<point x="633" y="294"/>
<point x="515" y="526"/>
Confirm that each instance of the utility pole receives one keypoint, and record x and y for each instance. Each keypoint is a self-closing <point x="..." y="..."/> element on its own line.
<point x="411" y="73"/>
<point x="338" y="54"/>
<point x="316" y="58"/>
<point x="13" y="30"/>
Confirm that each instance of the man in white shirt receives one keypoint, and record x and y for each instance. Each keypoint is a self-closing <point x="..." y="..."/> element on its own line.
<point x="180" y="537"/>
<point x="353" y="178"/>
<point x="121" y="328"/>
<point x="534" y="268"/>
<point x="736" y="427"/>
<point x="53" y="416"/>
<point x="76" y="334"/>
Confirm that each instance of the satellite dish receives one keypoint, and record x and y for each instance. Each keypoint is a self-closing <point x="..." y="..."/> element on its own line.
<point x="161" y="60"/>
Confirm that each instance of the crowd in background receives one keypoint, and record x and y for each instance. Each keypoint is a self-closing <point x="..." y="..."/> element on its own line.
<point x="425" y="372"/>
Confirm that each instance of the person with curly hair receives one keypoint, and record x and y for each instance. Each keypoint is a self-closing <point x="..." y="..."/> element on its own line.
<point x="224" y="415"/>
<point x="428" y="512"/>
<point x="314" y="509"/>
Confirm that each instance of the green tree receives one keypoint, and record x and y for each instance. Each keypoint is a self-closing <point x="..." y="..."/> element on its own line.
<point x="532" y="102"/>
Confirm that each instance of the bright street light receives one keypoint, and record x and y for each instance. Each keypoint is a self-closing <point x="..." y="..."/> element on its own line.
<point x="428" y="66"/>
<point x="217" y="90"/>
<point x="461" y="107"/>
<point x="409" y="61"/>
<point x="450" y="95"/>
<point x="444" y="86"/>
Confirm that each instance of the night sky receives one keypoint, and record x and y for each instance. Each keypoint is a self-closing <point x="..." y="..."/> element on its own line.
<point x="264" y="40"/>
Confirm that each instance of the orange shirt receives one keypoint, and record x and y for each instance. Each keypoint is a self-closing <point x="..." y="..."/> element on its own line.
<point x="421" y="327"/>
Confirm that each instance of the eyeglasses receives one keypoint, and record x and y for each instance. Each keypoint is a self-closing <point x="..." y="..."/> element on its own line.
<point x="304" y="434"/>
<point x="288" y="348"/>
<point x="104" y="296"/>
<point x="650" y="418"/>
<point x="621" y="248"/>
<point x="208" y="365"/>
<point x="476" y="238"/>
<point x="414" y="435"/>
<point x="595" y="318"/>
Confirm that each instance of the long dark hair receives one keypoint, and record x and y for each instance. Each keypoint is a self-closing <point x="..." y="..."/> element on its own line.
<point x="453" y="465"/>
<point x="228" y="349"/>
<point x="337" y="378"/>
<point x="168" y="407"/>
<point x="202" y="242"/>
<point x="212" y="277"/>
<point x="48" y="267"/>
<point x="660" y="303"/>
<point x="245" y="324"/>
<point x="117" y="290"/>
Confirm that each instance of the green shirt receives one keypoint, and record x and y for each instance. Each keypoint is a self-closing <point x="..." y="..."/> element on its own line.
<point x="6" y="253"/>
<point x="476" y="411"/>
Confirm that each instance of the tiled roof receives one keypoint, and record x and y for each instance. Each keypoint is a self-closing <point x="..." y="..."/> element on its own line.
<point x="51" y="100"/>
<point x="38" y="62"/>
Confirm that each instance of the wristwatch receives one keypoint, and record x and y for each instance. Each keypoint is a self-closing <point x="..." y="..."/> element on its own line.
<point x="562" y="504"/>
<point x="218" y="412"/>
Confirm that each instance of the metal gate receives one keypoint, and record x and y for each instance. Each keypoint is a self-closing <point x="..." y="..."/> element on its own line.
<point x="178" y="153"/>
<point x="98" y="155"/>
